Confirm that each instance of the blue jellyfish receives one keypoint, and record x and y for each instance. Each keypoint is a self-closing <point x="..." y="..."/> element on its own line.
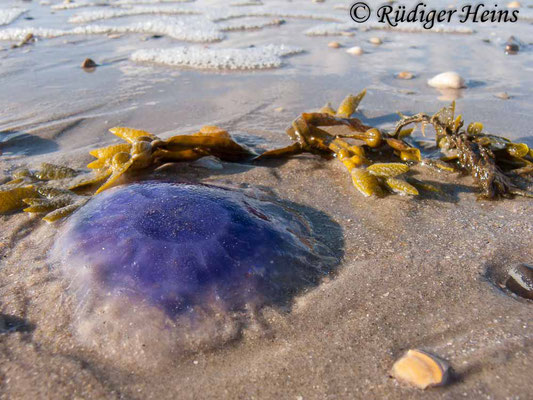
<point x="178" y="247"/>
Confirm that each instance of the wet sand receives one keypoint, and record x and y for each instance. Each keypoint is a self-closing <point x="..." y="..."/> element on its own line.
<point x="411" y="273"/>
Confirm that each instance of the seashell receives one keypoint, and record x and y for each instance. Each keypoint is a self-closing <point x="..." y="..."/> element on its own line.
<point x="447" y="80"/>
<point x="375" y="40"/>
<point x="405" y="75"/>
<point x="520" y="280"/>
<point x="421" y="369"/>
<point x="356" y="51"/>
<point x="514" y="4"/>
<point x="334" y="45"/>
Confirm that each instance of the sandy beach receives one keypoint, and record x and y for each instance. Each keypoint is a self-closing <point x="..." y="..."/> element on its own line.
<point x="406" y="273"/>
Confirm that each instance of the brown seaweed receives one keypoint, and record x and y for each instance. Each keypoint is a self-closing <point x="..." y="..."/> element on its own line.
<point x="497" y="165"/>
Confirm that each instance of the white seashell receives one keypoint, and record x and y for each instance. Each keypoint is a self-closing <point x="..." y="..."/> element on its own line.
<point x="520" y="280"/>
<point x="356" y="51"/>
<point x="334" y="45"/>
<point x="447" y="80"/>
<point x="375" y="40"/>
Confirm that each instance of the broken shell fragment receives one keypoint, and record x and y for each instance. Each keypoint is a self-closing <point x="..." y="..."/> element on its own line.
<point x="375" y="40"/>
<point x="356" y="51"/>
<point x="520" y="281"/>
<point x="405" y="75"/>
<point x="447" y="80"/>
<point x="421" y="369"/>
<point x="334" y="45"/>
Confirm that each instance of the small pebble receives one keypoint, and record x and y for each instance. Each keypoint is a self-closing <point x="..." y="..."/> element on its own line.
<point x="502" y="95"/>
<point x="520" y="280"/>
<point x="514" y="4"/>
<point x="375" y="40"/>
<point x="356" y="51"/>
<point x="334" y="45"/>
<point x="421" y="369"/>
<point x="447" y="80"/>
<point x="88" y="63"/>
<point x="405" y="75"/>
<point x="279" y="109"/>
<point x="512" y="46"/>
<point x="347" y="34"/>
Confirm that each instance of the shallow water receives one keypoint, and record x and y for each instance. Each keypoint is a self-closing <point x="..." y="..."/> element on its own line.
<point x="414" y="273"/>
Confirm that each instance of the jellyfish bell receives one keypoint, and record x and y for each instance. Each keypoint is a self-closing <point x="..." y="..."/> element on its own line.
<point x="159" y="268"/>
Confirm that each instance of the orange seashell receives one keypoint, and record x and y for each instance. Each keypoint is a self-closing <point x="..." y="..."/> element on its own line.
<point x="421" y="369"/>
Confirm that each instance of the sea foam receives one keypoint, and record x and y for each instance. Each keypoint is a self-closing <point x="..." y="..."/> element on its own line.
<point x="269" y="56"/>
<point x="7" y="16"/>
<point x="95" y="15"/>
<point x="193" y="29"/>
<point x="213" y="13"/>
<point x="248" y="25"/>
<point x="70" y="6"/>
<point x="329" y="29"/>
